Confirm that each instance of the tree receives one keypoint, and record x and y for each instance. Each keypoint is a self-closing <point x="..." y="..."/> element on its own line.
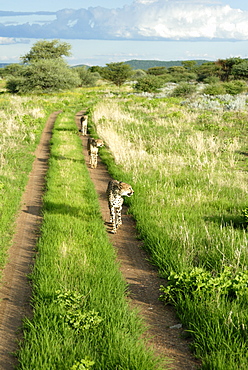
<point x="96" y="69"/>
<point x="12" y="69"/>
<point x="157" y="71"/>
<point x="241" y="70"/>
<point x="44" y="49"/>
<point x="44" y="69"/>
<point x="227" y="67"/>
<point x="44" y="76"/>
<point x="189" y="65"/>
<point x="118" y="73"/>
<point x="208" y="70"/>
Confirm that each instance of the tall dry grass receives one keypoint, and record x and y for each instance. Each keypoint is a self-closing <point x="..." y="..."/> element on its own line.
<point x="187" y="170"/>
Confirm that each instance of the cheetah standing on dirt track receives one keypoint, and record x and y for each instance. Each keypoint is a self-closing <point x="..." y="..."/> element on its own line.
<point x="115" y="191"/>
<point x="92" y="146"/>
<point x="84" y="122"/>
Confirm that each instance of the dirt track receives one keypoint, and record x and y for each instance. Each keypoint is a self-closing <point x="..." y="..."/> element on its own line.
<point x="141" y="276"/>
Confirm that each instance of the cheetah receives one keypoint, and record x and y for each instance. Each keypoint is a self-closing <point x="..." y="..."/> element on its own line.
<point x="92" y="146"/>
<point x="115" y="191"/>
<point x="84" y="122"/>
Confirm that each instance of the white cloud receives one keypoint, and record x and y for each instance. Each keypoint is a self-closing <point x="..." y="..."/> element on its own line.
<point x="11" y="41"/>
<point x="142" y="20"/>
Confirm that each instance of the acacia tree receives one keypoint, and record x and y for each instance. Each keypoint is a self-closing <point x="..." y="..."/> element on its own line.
<point x="241" y="70"/>
<point x="44" y="70"/>
<point x="44" y="49"/>
<point x="227" y="66"/>
<point x="118" y="73"/>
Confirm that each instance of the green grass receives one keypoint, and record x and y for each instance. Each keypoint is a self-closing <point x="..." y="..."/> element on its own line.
<point x="187" y="170"/>
<point x="79" y="302"/>
<point x="21" y="124"/>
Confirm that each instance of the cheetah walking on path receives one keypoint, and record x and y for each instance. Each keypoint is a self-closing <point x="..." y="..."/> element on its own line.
<point x="116" y="190"/>
<point x="92" y="146"/>
<point x="84" y="123"/>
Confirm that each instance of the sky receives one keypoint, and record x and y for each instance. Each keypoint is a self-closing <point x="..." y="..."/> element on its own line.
<point x="107" y="31"/>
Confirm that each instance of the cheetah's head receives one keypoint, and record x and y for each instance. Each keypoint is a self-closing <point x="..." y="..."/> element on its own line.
<point x="99" y="143"/>
<point x="125" y="189"/>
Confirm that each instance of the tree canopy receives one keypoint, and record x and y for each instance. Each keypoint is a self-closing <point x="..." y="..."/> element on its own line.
<point x="44" y="69"/>
<point x="44" y="49"/>
<point x="118" y="73"/>
<point x="44" y="76"/>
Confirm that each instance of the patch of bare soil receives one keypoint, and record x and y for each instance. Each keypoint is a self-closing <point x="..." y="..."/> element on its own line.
<point x="164" y="335"/>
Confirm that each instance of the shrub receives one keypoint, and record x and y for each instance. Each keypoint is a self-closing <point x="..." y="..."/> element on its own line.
<point x="184" y="89"/>
<point x="149" y="83"/>
<point x="14" y="84"/>
<point x="215" y="89"/>
<point x="235" y="87"/>
<point x="87" y="77"/>
<point x="211" y="80"/>
<point x="138" y="73"/>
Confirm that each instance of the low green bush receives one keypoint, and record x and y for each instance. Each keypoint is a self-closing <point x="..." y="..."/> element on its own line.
<point x="235" y="87"/>
<point x="149" y="83"/>
<point x="184" y="89"/>
<point x="215" y="89"/>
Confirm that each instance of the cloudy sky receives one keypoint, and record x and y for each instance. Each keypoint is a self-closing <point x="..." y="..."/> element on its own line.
<point x="104" y="31"/>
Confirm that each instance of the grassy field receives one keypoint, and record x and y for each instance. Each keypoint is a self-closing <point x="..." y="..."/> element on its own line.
<point x="188" y="168"/>
<point x="81" y="318"/>
<point x="189" y="172"/>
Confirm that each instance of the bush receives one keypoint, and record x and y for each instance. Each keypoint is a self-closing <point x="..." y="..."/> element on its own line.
<point x="235" y="87"/>
<point x="87" y="77"/>
<point x="14" y="84"/>
<point x="149" y="83"/>
<point x="211" y="80"/>
<point x="184" y="89"/>
<point x="138" y="73"/>
<point x="215" y="89"/>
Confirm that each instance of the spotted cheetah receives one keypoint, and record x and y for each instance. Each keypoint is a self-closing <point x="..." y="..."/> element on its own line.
<point x="84" y="122"/>
<point x="115" y="191"/>
<point x="92" y="146"/>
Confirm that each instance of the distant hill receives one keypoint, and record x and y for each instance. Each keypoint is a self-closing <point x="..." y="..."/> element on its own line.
<point x="81" y="65"/>
<point x="145" y="64"/>
<point x="2" y="65"/>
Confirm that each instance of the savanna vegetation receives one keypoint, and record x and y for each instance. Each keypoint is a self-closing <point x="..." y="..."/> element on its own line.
<point x="189" y="171"/>
<point x="183" y="148"/>
<point x="81" y="319"/>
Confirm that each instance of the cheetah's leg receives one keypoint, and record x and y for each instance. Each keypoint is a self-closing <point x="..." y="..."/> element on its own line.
<point x="118" y="216"/>
<point x="93" y="160"/>
<point x="112" y="219"/>
<point x="85" y="129"/>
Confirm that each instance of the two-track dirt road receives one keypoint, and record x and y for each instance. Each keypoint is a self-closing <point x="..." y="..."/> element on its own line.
<point x="15" y="291"/>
